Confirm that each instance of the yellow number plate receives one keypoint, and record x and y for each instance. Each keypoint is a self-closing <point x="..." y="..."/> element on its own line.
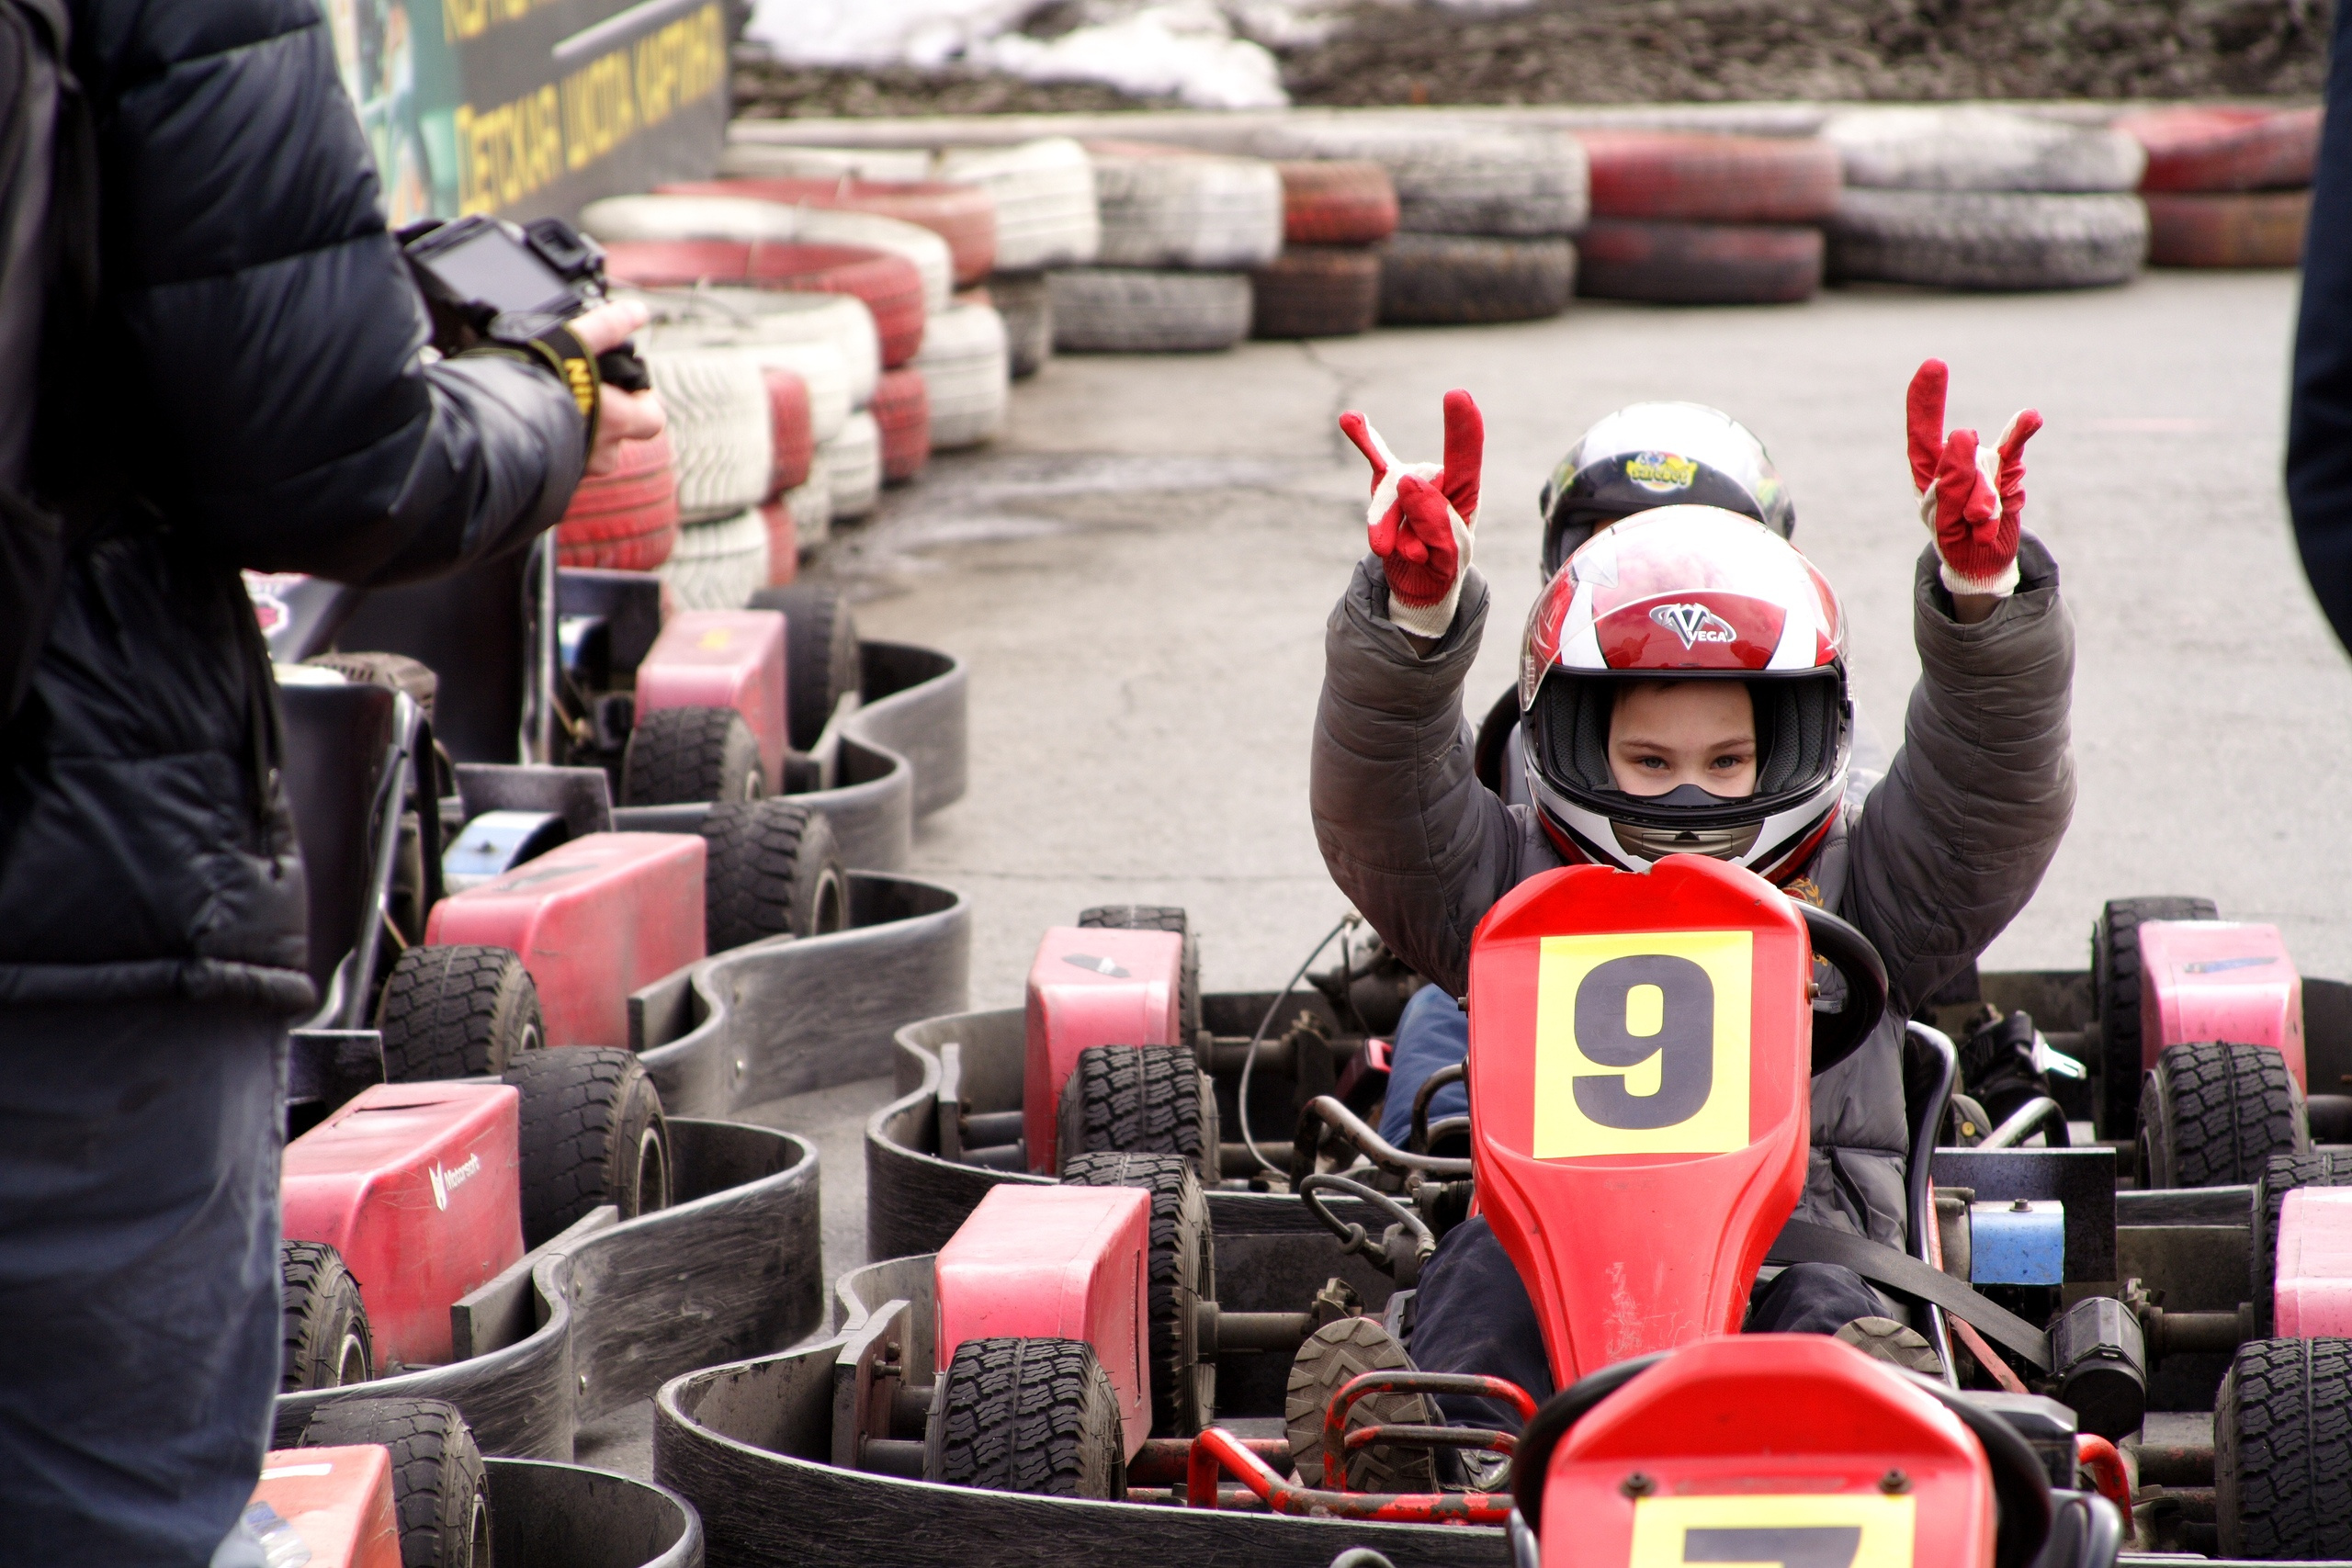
<point x="1823" y="1531"/>
<point x="1640" y="1044"/>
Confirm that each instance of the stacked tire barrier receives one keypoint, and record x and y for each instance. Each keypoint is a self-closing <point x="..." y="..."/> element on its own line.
<point x="1977" y="199"/>
<point x="626" y="520"/>
<point x="1181" y="232"/>
<point x="1484" y="215"/>
<point x="1698" y="219"/>
<point x="2227" y="188"/>
<point x="1336" y="215"/>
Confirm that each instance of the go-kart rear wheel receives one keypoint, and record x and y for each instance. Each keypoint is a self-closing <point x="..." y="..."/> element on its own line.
<point x="2321" y="1168"/>
<point x="820" y="659"/>
<point x="1159" y="917"/>
<point x="440" y="1491"/>
<point x="1183" y="1274"/>
<point x="593" y="1132"/>
<point x="1139" y="1100"/>
<point x="679" y="756"/>
<point x="774" y="868"/>
<point x="1032" y="1415"/>
<point x="327" y="1339"/>
<point x="2115" y="1001"/>
<point x="2282" y="1450"/>
<point x="456" y="1011"/>
<point x="2212" y="1114"/>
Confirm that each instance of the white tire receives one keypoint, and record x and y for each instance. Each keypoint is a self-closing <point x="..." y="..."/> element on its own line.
<point x="1980" y="149"/>
<point x="853" y="466"/>
<point x="748" y="220"/>
<point x="1459" y="179"/>
<point x="766" y="317"/>
<point x="748" y="158"/>
<point x="1987" y="239"/>
<point x="1110" y="310"/>
<point x="1026" y="303"/>
<point x="1045" y="213"/>
<point x="813" y="504"/>
<point x="965" y="367"/>
<point x="720" y="428"/>
<point x="718" y="565"/>
<point x="1188" y="211"/>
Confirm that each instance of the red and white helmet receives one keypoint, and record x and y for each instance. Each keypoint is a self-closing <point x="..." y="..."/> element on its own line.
<point x="1687" y="593"/>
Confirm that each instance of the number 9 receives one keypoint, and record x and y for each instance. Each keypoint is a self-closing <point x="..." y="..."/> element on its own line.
<point x="1684" y="1043"/>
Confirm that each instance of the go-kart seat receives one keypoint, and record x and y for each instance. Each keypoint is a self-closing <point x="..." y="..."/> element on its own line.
<point x="336" y="739"/>
<point x="473" y="631"/>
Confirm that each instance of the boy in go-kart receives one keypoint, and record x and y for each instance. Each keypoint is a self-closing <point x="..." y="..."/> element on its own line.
<point x="1725" y="728"/>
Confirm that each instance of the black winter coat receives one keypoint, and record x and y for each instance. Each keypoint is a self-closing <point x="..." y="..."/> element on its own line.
<point x="265" y="406"/>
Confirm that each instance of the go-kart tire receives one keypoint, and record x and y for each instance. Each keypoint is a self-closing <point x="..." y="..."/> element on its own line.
<point x="812" y="503"/>
<point x="1182" y="1273"/>
<point x="1043" y="191"/>
<point x="2115" y="1001"/>
<point x="1114" y="311"/>
<point x="1337" y="201"/>
<point x="678" y="756"/>
<point x="2228" y="229"/>
<point x="1037" y="1417"/>
<point x="593" y="1132"/>
<point x="1186" y="210"/>
<point x="1139" y="1100"/>
<point x="2282" y="1175"/>
<point x="456" y="1011"/>
<point x="1690" y="177"/>
<point x="1988" y="241"/>
<point x="966" y="370"/>
<point x="2215" y="148"/>
<point x="901" y="410"/>
<point x="2282" y="1450"/>
<point x="784" y="543"/>
<point x="1673" y="262"/>
<point x="440" y="1492"/>
<point x="792" y="431"/>
<point x="720" y="428"/>
<point x="1026" y="302"/>
<point x="1461" y="280"/>
<point x="820" y="659"/>
<point x="825" y="339"/>
<point x="1159" y="917"/>
<point x="1316" y="291"/>
<point x="717" y="565"/>
<point x="1980" y="150"/>
<point x="2211" y="1115"/>
<point x="328" y="1343"/>
<point x="1452" y="179"/>
<point x="773" y="870"/>
<point x="854" y="463"/>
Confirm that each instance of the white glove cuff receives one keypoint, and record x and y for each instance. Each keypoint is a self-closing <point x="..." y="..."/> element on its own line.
<point x="2000" y="585"/>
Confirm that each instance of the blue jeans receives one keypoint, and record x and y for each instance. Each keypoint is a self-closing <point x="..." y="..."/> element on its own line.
<point x="1433" y="1034"/>
<point x="139" y="1277"/>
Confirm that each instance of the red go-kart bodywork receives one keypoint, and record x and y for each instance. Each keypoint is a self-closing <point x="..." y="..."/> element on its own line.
<point x="335" y="1503"/>
<point x="2219" y="980"/>
<point x="1092" y="985"/>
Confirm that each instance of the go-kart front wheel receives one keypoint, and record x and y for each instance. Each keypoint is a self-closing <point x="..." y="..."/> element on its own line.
<point x="2282" y="1450"/>
<point x="327" y="1340"/>
<point x="1033" y="1416"/>
<point x="679" y="756"/>
<point x="440" y="1491"/>
<point x="1182" y="1274"/>
<point x="2211" y="1115"/>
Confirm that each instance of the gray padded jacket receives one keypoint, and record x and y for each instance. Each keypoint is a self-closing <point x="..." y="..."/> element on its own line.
<point x="1931" y="866"/>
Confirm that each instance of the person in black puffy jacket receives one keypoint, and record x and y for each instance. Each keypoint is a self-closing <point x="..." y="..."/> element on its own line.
<point x="263" y="402"/>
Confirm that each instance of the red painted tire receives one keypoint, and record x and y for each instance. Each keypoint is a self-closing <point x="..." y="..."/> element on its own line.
<point x="1316" y="292"/>
<point x="1698" y="264"/>
<point x="963" y="216"/>
<point x="795" y="438"/>
<point x="2218" y="149"/>
<point x="901" y="410"/>
<point x="1698" y="178"/>
<point x="2230" y="229"/>
<point x="626" y="520"/>
<point x="784" y="544"/>
<point x="889" y="285"/>
<point x="1337" y="201"/>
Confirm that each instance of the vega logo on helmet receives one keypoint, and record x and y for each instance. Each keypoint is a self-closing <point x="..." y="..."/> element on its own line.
<point x="1694" y="623"/>
<point x="1660" y="471"/>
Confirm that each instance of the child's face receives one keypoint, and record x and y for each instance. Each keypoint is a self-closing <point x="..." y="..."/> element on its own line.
<point x="1668" y="733"/>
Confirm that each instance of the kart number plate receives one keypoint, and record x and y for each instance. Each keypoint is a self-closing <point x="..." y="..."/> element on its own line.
<point x="1814" y="1530"/>
<point x="1642" y="1043"/>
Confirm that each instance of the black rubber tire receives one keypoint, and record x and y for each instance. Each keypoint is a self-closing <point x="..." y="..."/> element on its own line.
<point x="678" y="756"/>
<point x="1457" y="279"/>
<point x="820" y="659"/>
<point x="1159" y="917"/>
<point x="593" y="1132"/>
<point x="1030" y="1416"/>
<point x="1139" y="1100"/>
<point x="1124" y="310"/>
<point x="440" y="1491"/>
<point x="2115" y="1001"/>
<point x="2321" y="1168"/>
<point x="773" y="869"/>
<point x="327" y="1339"/>
<point x="1183" y="1273"/>
<point x="1673" y="262"/>
<point x="2282" y="1450"/>
<point x="1993" y="240"/>
<point x="1316" y="292"/>
<point x="458" y="1011"/>
<point x="2213" y="1113"/>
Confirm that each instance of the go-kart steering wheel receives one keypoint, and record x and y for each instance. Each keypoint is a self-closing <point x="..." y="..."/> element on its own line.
<point x="1836" y="1035"/>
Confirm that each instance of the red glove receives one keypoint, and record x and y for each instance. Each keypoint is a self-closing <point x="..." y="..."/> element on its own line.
<point x="1422" y="515"/>
<point x="1971" y="500"/>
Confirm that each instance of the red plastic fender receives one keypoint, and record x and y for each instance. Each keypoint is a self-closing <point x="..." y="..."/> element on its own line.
<point x="338" y="1502"/>
<point x="1770" y="1448"/>
<point x="2313" y="1297"/>
<point x="417" y="1186"/>
<point x="2219" y="980"/>
<point x="723" y="658"/>
<point x="592" y="920"/>
<point x="1640" y="1073"/>
<point x="1088" y="986"/>
<point x="1056" y="1263"/>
